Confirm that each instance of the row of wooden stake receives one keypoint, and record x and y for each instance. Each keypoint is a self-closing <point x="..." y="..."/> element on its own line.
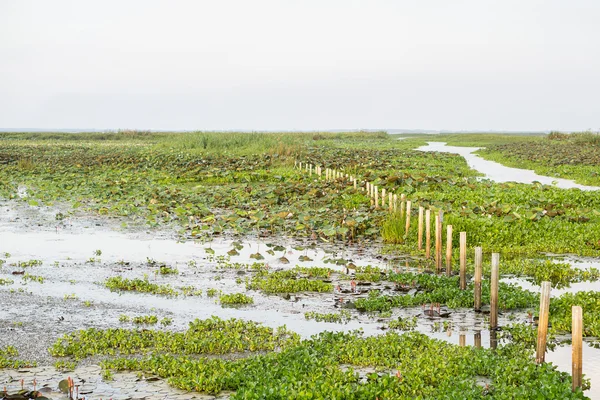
<point x="424" y="227"/>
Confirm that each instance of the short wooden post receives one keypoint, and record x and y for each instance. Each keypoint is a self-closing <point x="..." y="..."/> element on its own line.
<point x="395" y="203"/>
<point x="540" y="356"/>
<point x="463" y="260"/>
<point x="376" y="197"/>
<point x="495" y="276"/>
<point x="354" y="183"/>
<point x="438" y="240"/>
<point x="478" y="273"/>
<point x="402" y="201"/>
<point x="448" y="250"/>
<point x="420" y="234"/>
<point x="383" y="197"/>
<point x="462" y="340"/>
<point x="427" y="233"/>
<point x="391" y="201"/>
<point x="493" y="339"/>
<point x="407" y="227"/>
<point x="577" y="346"/>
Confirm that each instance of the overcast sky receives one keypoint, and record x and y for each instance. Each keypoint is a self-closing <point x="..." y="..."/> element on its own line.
<point x="300" y="64"/>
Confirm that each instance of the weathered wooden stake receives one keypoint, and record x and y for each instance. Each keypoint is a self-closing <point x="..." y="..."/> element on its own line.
<point x="577" y="346"/>
<point x="540" y="356"/>
<point x="420" y="234"/>
<point x="395" y="203"/>
<point x="495" y="276"/>
<point x="462" y="340"/>
<point x="391" y="201"/>
<point x="438" y="240"/>
<point x="448" y="250"/>
<point x="438" y="261"/>
<point x="310" y="170"/>
<point x="463" y="260"/>
<point x="383" y="197"/>
<point x="402" y="201"/>
<point x="478" y="273"/>
<point x="477" y="339"/>
<point x="407" y="228"/>
<point x="354" y="183"/>
<point x="427" y="233"/>
<point x="376" y="197"/>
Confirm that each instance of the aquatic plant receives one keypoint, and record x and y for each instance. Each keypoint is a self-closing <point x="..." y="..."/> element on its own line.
<point x="235" y="299"/>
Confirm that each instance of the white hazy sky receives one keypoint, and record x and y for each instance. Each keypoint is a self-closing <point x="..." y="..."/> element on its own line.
<point x="300" y="64"/>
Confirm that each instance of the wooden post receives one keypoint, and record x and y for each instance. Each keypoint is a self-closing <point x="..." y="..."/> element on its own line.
<point x="391" y="201"/>
<point x="437" y="244"/>
<point x="495" y="276"/>
<point x="462" y="340"/>
<point x="478" y="273"/>
<point x="395" y="203"/>
<point x="493" y="339"/>
<point x="577" y="346"/>
<point x="477" y="339"/>
<point x="376" y="197"/>
<point x="407" y="228"/>
<point x="420" y="234"/>
<point x="427" y="233"/>
<point x="383" y="197"/>
<point x="438" y="240"/>
<point x="402" y="198"/>
<point x="463" y="260"/>
<point x="540" y="356"/>
<point x="448" y="250"/>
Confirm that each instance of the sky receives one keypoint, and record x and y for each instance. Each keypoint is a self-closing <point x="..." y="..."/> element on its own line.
<point x="300" y="64"/>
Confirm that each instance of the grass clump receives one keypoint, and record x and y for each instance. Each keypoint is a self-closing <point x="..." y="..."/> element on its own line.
<point x="393" y="229"/>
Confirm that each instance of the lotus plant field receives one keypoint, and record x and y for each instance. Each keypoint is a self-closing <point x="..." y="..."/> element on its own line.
<point x="147" y="265"/>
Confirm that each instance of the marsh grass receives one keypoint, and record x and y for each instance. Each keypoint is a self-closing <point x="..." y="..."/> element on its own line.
<point x="392" y="230"/>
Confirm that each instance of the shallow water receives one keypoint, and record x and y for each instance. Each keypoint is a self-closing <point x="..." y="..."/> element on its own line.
<point x="71" y="268"/>
<point x="500" y="173"/>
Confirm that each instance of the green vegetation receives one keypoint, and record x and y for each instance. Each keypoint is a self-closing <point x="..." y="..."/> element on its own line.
<point x="341" y="317"/>
<point x="33" y="278"/>
<point x="210" y="336"/>
<point x="286" y="282"/>
<point x="8" y="359"/>
<point x="145" y="320"/>
<point x="411" y="366"/>
<point x="444" y="290"/>
<point x="235" y="299"/>
<point x="118" y="283"/>
<point x="403" y="324"/>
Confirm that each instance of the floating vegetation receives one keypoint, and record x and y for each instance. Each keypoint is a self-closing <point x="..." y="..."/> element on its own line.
<point x="118" y="283"/>
<point x="210" y="336"/>
<point x="341" y="317"/>
<point x="33" y="278"/>
<point x="286" y="282"/>
<point x="235" y="299"/>
<point x="145" y="320"/>
<point x="8" y="359"/>
<point x="6" y="281"/>
<point x="297" y="371"/>
<point x="444" y="290"/>
<point x="403" y="324"/>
